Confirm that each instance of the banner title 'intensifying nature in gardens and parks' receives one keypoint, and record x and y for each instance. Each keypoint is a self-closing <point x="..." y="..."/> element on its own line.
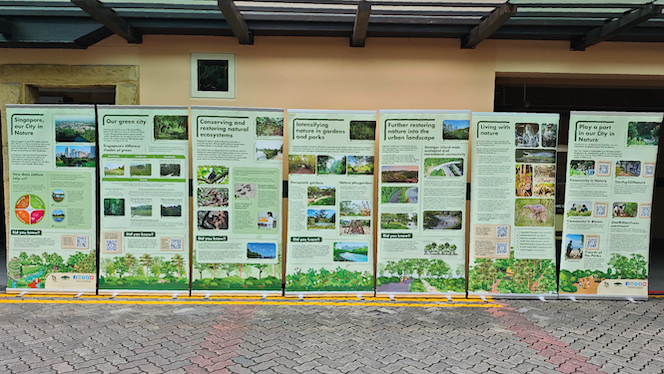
<point x="99" y="199"/>
<point x="422" y="201"/>
<point x="512" y="205"/>
<point x="144" y="203"/>
<point x="238" y="155"/>
<point x="331" y="189"/>
<point x="608" y="204"/>
<point x="51" y="213"/>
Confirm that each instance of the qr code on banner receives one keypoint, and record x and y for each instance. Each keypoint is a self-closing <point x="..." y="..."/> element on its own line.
<point x="502" y="249"/>
<point x="604" y="169"/>
<point x="592" y="243"/>
<point x="111" y="245"/>
<point x="82" y="242"/>
<point x="176" y="244"/>
<point x="600" y="210"/>
<point x="501" y="231"/>
<point x="645" y="211"/>
<point x="649" y="170"/>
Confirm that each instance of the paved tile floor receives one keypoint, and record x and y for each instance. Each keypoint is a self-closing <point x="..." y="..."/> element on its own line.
<point x="365" y="337"/>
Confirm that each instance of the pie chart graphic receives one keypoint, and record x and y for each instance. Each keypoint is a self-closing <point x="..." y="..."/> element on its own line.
<point x="30" y="209"/>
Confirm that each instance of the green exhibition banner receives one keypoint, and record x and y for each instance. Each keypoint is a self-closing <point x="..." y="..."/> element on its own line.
<point x="144" y="205"/>
<point x="611" y="163"/>
<point x="512" y="205"/>
<point x="237" y="238"/>
<point x="52" y="226"/>
<point x="330" y="202"/>
<point x="423" y="157"/>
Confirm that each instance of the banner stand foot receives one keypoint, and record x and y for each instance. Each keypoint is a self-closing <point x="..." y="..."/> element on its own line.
<point x="483" y="298"/>
<point x="78" y="295"/>
<point x="22" y="293"/>
<point x="175" y="296"/>
<point x="360" y="297"/>
<point x="264" y="296"/>
<point x="449" y="298"/>
<point x="572" y="298"/>
<point x="543" y="299"/>
<point x="207" y="296"/>
<point x="391" y="297"/>
<point x="113" y="296"/>
<point x="631" y="300"/>
<point x="301" y="297"/>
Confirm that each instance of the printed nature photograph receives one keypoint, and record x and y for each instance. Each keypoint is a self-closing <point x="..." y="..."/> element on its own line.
<point x="399" y="174"/>
<point x="170" y="170"/>
<point x="212" y="174"/>
<point x="582" y="167"/>
<point x="442" y="220"/>
<point x="398" y="195"/>
<point x="246" y="190"/>
<point x="141" y="210"/>
<point x="171" y="210"/>
<point x="212" y="220"/>
<point x="628" y="168"/>
<point x="354" y="226"/>
<point x="267" y="220"/>
<point x="440" y="249"/>
<point x="301" y="164"/>
<point x="321" y="195"/>
<point x="535" y="156"/>
<point x="456" y="129"/>
<point x="58" y="196"/>
<point x="261" y="251"/>
<point x="171" y="127"/>
<point x="443" y="167"/>
<point x="524" y="180"/>
<point x="269" y="126"/>
<point x="114" y="207"/>
<point x="75" y="156"/>
<point x="351" y="252"/>
<point x="267" y="150"/>
<point x="573" y="245"/>
<point x="549" y="135"/>
<point x="331" y="165"/>
<point x="545" y="172"/>
<point x="534" y="212"/>
<point x="113" y="169"/>
<point x="58" y="215"/>
<point x="212" y="197"/>
<point x="625" y="210"/>
<point x="578" y="208"/>
<point x="398" y="221"/>
<point x="544" y="189"/>
<point x="360" y="165"/>
<point x="355" y="208"/>
<point x="643" y="133"/>
<point x="362" y="130"/>
<point x="321" y="219"/>
<point x="526" y="135"/>
<point x="142" y="169"/>
<point x="75" y="129"/>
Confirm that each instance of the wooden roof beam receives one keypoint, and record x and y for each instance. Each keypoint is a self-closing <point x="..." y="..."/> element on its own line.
<point x="361" y="24"/>
<point x="489" y="25"/>
<point x="616" y="26"/>
<point x="235" y="21"/>
<point x="109" y="19"/>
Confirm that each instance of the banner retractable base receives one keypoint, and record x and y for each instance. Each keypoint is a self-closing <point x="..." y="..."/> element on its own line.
<point x="233" y="293"/>
<point x="306" y="294"/>
<point x="37" y="291"/>
<point x="415" y="295"/>
<point x="146" y="293"/>
<point x="575" y="297"/>
<point x="515" y="296"/>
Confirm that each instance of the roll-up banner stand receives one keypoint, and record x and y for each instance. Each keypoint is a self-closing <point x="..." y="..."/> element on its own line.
<point x="144" y="205"/>
<point x="423" y="158"/>
<point x="513" y="189"/>
<point x="238" y="160"/>
<point x="330" y="202"/>
<point x="52" y="226"/>
<point x="608" y="203"/>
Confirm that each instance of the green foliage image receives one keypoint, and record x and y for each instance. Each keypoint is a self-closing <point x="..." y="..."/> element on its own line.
<point x="443" y="167"/>
<point x="138" y="210"/>
<point x="171" y="127"/>
<point x="619" y="267"/>
<point x="270" y="126"/>
<point x="420" y="275"/>
<point x="301" y="164"/>
<point x="140" y="170"/>
<point x="169" y="170"/>
<point x="332" y="165"/>
<point x="362" y="130"/>
<point x="321" y="195"/>
<point x="237" y="277"/>
<point x="398" y="221"/>
<point x="456" y="129"/>
<point x="212" y="174"/>
<point x="643" y="133"/>
<point x="113" y="169"/>
<point x="581" y="167"/>
<point x="398" y="195"/>
<point x="32" y="271"/>
<point x="360" y="165"/>
<point x="512" y="276"/>
<point x="114" y="207"/>
<point x="440" y="249"/>
<point x="144" y="273"/>
<point x="324" y="280"/>
<point x="70" y="129"/>
<point x="212" y="75"/>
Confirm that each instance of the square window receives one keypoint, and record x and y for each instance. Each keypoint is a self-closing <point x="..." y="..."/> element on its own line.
<point x="213" y="75"/>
